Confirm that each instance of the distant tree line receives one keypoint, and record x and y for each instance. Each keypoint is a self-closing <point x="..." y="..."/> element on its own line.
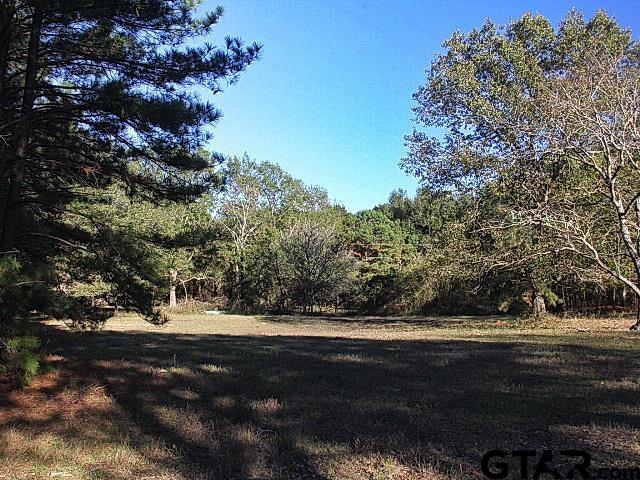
<point x="270" y="243"/>
<point x="530" y="198"/>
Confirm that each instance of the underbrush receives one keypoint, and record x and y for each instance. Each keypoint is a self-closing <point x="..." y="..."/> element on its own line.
<point x="192" y="306"/>
<point x="20" y="358"/>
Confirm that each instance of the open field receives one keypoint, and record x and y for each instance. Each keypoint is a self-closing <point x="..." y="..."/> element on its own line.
<point x="240" y="397"/>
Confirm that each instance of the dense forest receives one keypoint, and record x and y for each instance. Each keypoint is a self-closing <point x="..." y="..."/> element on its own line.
<point x="110" y="198"/>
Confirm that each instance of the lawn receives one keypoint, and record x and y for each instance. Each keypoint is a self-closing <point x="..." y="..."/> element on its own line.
<point x="259" y="397"/>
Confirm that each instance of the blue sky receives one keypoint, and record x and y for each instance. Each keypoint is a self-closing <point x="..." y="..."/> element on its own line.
<point x="330" y="100"/>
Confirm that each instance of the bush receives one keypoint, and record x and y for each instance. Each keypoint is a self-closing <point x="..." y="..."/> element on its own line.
<point x="157" y="316"/>
<point x="21" y="358"/>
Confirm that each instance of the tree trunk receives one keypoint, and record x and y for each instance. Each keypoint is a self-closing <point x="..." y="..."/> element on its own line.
<point x="13" y="187"/>
<point x="636" y="326"/>
<point x="7" y="13"/>
<point x="637" y="209"/>
<point x="539" y="305"/>
<point x="172" y="297"/>
<point x="173" y="279"/>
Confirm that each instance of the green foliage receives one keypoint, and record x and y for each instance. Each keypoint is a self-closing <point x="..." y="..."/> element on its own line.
<point x="24" y="286"/>
<point x="316" y="268"/>
<point x="120" y="81"/>
<point x="172" y="244"/>
<point x="383" y="247"/>
<point x="259" y="203"/>
<point x="487" y="80"/>
<point x="21" y="358"/>
<point x="509" y="104"/>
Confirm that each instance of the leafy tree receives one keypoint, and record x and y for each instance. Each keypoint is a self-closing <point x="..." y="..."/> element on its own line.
<point x="590" y="129"/>
<point x="316" y="265"/>
<point x="259" y="200"/>
<point x="513" y="102"/>
<point x="174" y="244"/>
<point x="399" y="206"/>
<point x="441" y="263"/>
<point x="383" y="247"/>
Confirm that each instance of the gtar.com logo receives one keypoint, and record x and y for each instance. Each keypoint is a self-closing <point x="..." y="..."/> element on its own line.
<point x="561" y="464"/>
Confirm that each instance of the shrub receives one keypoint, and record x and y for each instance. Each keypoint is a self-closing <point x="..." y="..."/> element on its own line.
<point x="21" y="358"/>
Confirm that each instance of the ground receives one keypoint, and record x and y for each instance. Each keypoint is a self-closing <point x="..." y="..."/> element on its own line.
<point x="243" y="397"/>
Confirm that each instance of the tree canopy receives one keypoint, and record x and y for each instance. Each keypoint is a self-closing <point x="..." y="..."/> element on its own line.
<point x="543" y="123"/>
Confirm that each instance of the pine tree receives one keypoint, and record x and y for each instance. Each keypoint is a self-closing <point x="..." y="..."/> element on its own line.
<point x="94" y="92"/>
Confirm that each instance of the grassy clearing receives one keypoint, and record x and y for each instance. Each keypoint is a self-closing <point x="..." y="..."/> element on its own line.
<point x="230" y="397"/>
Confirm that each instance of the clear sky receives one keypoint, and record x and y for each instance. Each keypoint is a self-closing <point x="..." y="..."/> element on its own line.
<point x="330" y="100"/>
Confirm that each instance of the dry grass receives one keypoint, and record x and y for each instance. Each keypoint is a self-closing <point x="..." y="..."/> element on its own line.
<point x="241" y="397"/>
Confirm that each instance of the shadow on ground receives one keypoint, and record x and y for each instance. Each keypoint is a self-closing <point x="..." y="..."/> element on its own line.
<point x="387" y="321"/>
<point x="233" y="407"/>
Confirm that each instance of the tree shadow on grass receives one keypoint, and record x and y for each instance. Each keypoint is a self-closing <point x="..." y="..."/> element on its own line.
<point x="376" y="321"/>
<point x="314" y="407"/>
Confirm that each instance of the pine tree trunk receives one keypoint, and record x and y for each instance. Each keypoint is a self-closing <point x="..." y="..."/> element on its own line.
<point x="7" y="13"/>
<point x="11" y="200"/>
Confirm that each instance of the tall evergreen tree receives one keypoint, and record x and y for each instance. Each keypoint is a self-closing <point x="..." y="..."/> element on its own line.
<point x="98" y="91"/>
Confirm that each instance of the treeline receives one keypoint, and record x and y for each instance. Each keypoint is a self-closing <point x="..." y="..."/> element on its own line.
<point x="269" y="243"/>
